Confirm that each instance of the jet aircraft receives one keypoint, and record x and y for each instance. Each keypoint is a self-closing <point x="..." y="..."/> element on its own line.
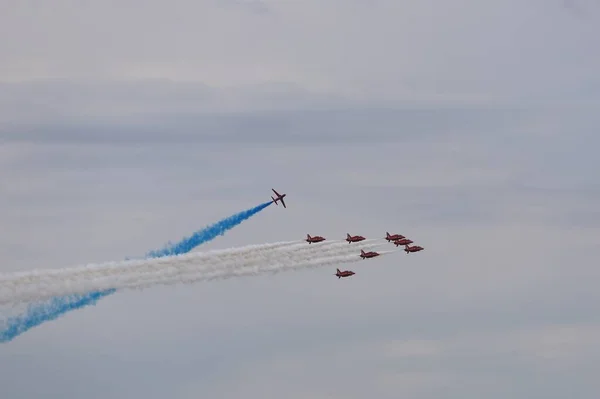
<point x="310" y="239"/>
<point x="393" y="237"/>
<point x="404" y="241"/>
<point x="414" y="248"/>
<point x="350" y="238"/>
<point x="365" y="255"/>
<point x="279" y="198"/>
<point x="345" y="273"/>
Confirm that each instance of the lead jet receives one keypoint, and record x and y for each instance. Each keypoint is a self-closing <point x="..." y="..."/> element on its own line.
<point x="365" y="255"/>
<point x="310" y="239"/>
<point x="279" y="198"/>
<point x="393" y="237"/>
<point x="404" y="241"/>
<point x="345" y="273"/>
<point x="350" y="238"/>
<point x="414" y="248"/>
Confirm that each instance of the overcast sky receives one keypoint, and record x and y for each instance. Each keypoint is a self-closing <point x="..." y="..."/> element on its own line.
<point x="470" y="127"/>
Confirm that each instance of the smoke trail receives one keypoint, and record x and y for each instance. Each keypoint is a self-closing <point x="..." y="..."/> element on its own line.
<point x="261" y="264"/>
<point x="167" y="270"/>
<point x="11" y="284"/>
<point x="291" y="248"/>
<point x="207" y="234"/>
<point x="38" y="314"/>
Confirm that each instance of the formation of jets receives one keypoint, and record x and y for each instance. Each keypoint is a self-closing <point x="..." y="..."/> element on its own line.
<point x="396" y="239"/>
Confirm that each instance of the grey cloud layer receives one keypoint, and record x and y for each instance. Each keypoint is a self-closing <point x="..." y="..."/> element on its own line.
<point x="520" y="197"/>
<point x="386" y="50"/>
<point x="470" y="127"/>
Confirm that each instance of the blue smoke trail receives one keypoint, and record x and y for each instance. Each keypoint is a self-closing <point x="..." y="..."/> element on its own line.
<point x="58" y="306"/>
<point x="54" y="308"/>
<point x="206" y="234"/>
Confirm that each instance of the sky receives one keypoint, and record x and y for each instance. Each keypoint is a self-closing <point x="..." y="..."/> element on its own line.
<point x="470" y="127"/>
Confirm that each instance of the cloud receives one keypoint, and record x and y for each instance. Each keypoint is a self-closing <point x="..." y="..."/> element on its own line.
<point x="479" y="309"/>
<point x="254" y="6"/>
<point x="584" y="10"/>
<point x="465" y="364"/>
<point x="169" y="112"/>
<point x="414" y="348"/>
<point x="457" y="125"/>
<point x="386" y="51"/>
<point x="103" y="102"/>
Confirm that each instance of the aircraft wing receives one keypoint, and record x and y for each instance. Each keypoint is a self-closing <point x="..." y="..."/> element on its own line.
<point x="276" y="193"/>
<point x="283" y="203"/>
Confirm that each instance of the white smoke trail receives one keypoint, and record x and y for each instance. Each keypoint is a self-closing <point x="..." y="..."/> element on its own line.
<point x="253" y="260"/>
<point x="252" y="269"/>
<point x="172" y="274"/>
<point x="163" y="266"/>
<point x="211" y="259"/>
<point x="43" y="284"/>
<point x="143" y="262"/>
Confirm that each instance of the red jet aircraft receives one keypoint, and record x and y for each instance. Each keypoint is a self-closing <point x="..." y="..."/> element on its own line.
<point x="345" y="273"/>
<point x="365" y="255"/>
<point x="350" y="238"/>
<point x="414" y="248"/>
<point x="393" y="237"/>
<point x="279" y="198"/>
<point x="404" y="241"/>
<point x="310" y="239"/>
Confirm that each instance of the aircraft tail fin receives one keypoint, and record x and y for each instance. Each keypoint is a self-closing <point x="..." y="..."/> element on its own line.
<point x="362" y="252"/>
<point x="274" y="200"/>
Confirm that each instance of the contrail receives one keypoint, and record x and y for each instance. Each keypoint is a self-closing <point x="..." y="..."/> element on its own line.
<point x="217" y="258"/>
<point x="37" y="314"/>
<point x="253" y="260"/>
<point x="253" y="268"/>
<point x="208" y="233"/>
